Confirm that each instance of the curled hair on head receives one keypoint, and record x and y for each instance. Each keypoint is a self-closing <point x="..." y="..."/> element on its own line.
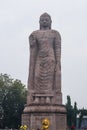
<point x="46" y="15"/>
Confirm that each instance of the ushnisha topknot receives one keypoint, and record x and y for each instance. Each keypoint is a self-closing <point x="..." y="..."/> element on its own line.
<point x="45" y="15"/>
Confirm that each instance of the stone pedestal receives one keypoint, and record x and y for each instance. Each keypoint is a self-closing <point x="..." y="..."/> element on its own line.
<point x="44" y="105"/>
<point x="34" y="114"/>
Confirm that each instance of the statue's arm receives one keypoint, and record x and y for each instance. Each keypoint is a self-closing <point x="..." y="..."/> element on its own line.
<point x="33" y="53"/>
<point x="57" y="50"/>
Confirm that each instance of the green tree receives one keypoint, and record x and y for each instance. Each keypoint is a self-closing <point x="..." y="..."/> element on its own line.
<point x="75" y="111"/>
<point x="69" y="111"/>
<point x="12" y="100"/>
<point x="72" y="112"/>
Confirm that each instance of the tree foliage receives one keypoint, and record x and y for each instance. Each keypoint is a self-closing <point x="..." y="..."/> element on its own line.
<point x="75" y="112"/>
<point x="71" y="112"/>
<point x="12" y="100"/>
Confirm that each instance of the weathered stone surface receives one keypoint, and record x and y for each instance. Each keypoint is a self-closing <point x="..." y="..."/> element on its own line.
<point x="44" y="99"/>
<point x="34" y="120"/>
<point x="45" y="108"/>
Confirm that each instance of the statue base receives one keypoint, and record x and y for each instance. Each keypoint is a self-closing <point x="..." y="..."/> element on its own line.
<point x="33" y="116"/>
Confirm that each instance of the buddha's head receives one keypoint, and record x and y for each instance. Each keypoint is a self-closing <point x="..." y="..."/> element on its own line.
<point x="45" y="21"/>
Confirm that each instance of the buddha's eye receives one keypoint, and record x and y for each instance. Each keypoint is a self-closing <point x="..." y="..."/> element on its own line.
<point x="44" y="19"/>
<point x="41" y="19"/>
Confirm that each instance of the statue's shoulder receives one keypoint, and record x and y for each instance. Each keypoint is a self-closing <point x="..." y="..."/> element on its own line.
<point x="56" y="33"/>
<point x="34" y="33"/>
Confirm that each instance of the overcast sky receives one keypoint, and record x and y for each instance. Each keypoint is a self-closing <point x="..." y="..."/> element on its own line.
<point x="18" y="18"/>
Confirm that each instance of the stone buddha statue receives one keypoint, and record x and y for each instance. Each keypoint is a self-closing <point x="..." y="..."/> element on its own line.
<point x="44" y="98"/>
<point x="45" y="58"/>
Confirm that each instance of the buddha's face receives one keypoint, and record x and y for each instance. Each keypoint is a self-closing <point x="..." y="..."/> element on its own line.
<point x="45" y="22"/>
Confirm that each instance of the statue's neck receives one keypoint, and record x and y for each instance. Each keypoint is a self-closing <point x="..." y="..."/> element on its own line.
<point x="44" y="28"/>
